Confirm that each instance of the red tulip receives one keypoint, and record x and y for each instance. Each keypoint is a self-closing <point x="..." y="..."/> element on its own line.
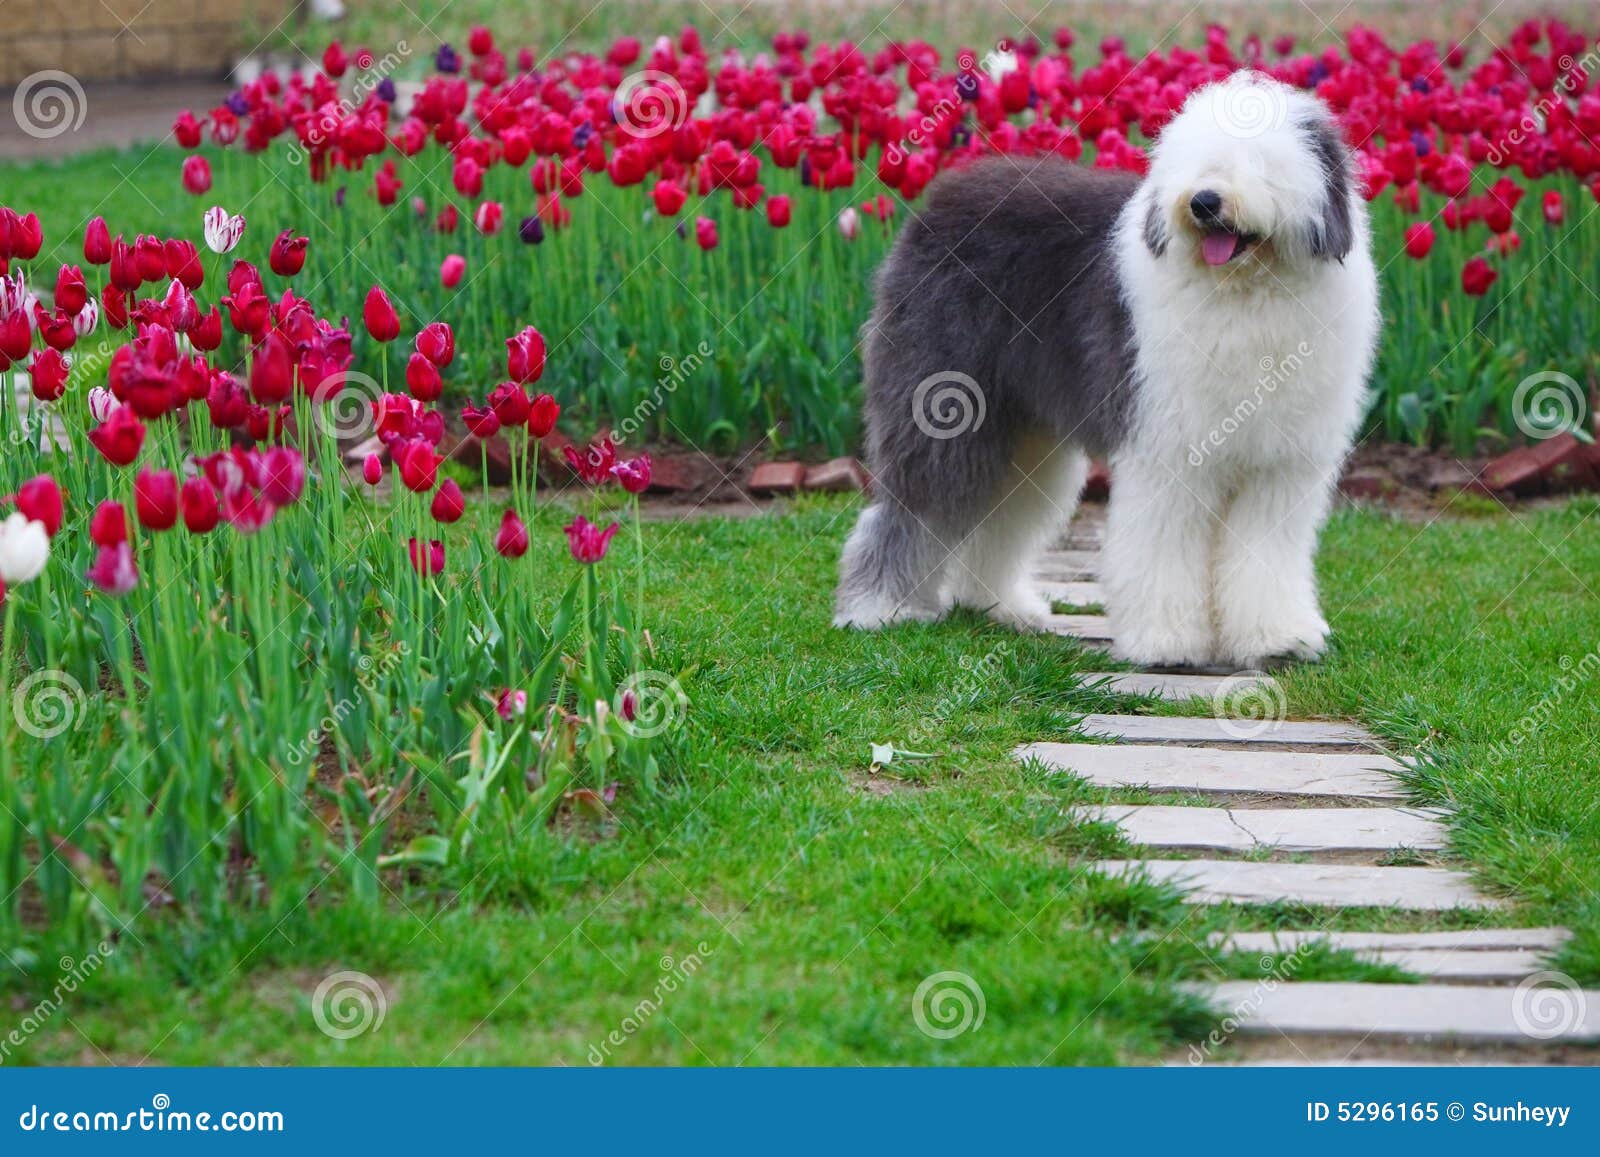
<point x="206" y="334"/>
<point x="449" y="504"/>
<point x="778" y="210"/>
<point x="183" y="262"/>
<point x="57" y="330"/>
<point x="372" y="470"/>
<point x="705" y="233"/>
<point x="451" y="270"/>
<point x="97" y="242"/>
<point x="113" y="570"/>
<point x="1555" y="210"/>
<point x="542" y="415"/>
<point x="155" y="499"/>
<point x="634" y="474"/>
<point x="1477" y="276"/>
<point x="481" y="422"/>
<point x="288" y="254"/>
<point x="271" y="370"/>
<point x="511" y="540"/>
<point x="488" y="218"/>
<point x="669" y="197"/>
<point x="48" y="373"/>
<point x="334" y="60"/>
<point x="525" y="356"/>
<point x="587" y="541"/>
<point x="594" y="464"/>
<point x="382" y="322"/>
<point x="422" y="378"/>
<point x="199" y="503"/>
<point x="40" y="499"/>
<point x="419" y="465"/>
<point x="510" y="404"/>
<point x="15" y="336"/>
<point x="109" y="524"/>
<point x="1419" y="239"/>
<point x="186" y="129"/>
<point x="283" y="476"/>
<point x="71" y="293"/>
<point x="182" y="313"/>
<point x="437" y="342"/>
<point x="27" y="236"/>
<point x="114" y="306"/>
<point x="427" y="560"/>
<point x="480" y="41"/>
<point x="196" y="174"/>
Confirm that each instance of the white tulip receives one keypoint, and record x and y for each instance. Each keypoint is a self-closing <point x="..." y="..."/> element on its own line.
<point x="102" y="403"/>
<point x="849" y="224"/>
<point x="24" y="549"/>
<point x="222" y="231"/>
<point x="88" y="317"/>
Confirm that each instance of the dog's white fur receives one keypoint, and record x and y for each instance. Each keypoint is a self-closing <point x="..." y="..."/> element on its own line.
<point x="1252" y="384"/>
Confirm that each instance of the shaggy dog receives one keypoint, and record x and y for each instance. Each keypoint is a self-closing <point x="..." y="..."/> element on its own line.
<point x="1207" y="329"/>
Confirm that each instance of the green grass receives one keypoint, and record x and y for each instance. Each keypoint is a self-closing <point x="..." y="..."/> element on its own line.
<point x="823" y="896"/>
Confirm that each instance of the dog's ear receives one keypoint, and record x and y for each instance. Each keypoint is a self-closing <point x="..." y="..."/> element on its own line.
<point x="1332" y="233"/>
<point x="1155" y="229"/>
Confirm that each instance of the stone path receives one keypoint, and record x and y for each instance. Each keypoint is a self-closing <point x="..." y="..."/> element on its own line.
<point x="1321" y="812"/>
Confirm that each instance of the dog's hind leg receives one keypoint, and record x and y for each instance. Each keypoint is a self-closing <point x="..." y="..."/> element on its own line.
<point x="892" y="570"/>
<point x="1035" y="500"/>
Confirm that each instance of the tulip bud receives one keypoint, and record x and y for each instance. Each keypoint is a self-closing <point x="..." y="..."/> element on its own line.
<point x="40" y="499"/>
<point x="109" y="524"/>
<point x="199" y="502"/>
<point x="422" y="378"/>
<point x="511" y="540"/>
<point x="449" y="504"/>
<point x="155" y="499"/>
<point x="379" y="316"/>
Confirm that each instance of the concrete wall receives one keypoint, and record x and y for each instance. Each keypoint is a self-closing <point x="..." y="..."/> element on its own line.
<point x="132" y="39"/>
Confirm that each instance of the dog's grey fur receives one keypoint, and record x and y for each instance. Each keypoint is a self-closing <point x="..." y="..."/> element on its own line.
<point x="1004" y="276"/>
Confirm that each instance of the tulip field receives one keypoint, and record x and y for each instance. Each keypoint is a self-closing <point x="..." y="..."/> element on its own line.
<point x="263" y="684"/>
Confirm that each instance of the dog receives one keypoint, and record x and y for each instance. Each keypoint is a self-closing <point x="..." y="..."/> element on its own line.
<point x="1207" y="329"/>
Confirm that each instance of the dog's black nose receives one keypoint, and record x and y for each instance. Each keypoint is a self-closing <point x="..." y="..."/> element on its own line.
<point x="1206" y="205"/>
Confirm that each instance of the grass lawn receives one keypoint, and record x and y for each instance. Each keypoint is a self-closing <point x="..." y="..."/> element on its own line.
<point x="814" y="898"/>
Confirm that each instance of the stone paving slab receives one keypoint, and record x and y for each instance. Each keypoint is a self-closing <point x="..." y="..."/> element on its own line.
<point x="1491" y="1015"/>
<point x="1068" y="566"/>
<point x="1204" y="729"/>
<point x="1089" y="628"/>
<point x="1333" y="885"/>
<point x="1197" y="769"/>
<point x="1074" y="594"/>
<point x="1464" y="940"/>
<point x="1176" y="686"/>
<point x="1490" y="967"/>
<point x="1286" y="829"/>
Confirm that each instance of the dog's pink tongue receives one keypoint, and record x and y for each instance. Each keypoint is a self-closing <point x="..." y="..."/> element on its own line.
<point x="1218" y="248"/>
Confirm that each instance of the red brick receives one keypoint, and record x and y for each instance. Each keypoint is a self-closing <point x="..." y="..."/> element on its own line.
<point x="777" y="478"/>
<point x="839" y="474"/>
<point x="675" y="473"/>
<point x="1531" y="468"/>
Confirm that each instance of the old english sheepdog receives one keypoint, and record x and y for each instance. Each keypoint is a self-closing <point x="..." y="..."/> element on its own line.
<point x="1207" y="329"/>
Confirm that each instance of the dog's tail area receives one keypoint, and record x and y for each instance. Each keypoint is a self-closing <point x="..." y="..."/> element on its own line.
<point x="892" y="568"/>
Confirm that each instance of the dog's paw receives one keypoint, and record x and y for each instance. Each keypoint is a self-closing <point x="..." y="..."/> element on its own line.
<point x="1303" y="643"/>
<point x="1023" y="608"/>
<point x="1150" y="649"/>
<point x="874" y="614"/>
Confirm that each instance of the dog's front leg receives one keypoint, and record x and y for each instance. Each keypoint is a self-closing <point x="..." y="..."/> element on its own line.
<point x="1266" y="578"/>
<point x="1159" y="533"/>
